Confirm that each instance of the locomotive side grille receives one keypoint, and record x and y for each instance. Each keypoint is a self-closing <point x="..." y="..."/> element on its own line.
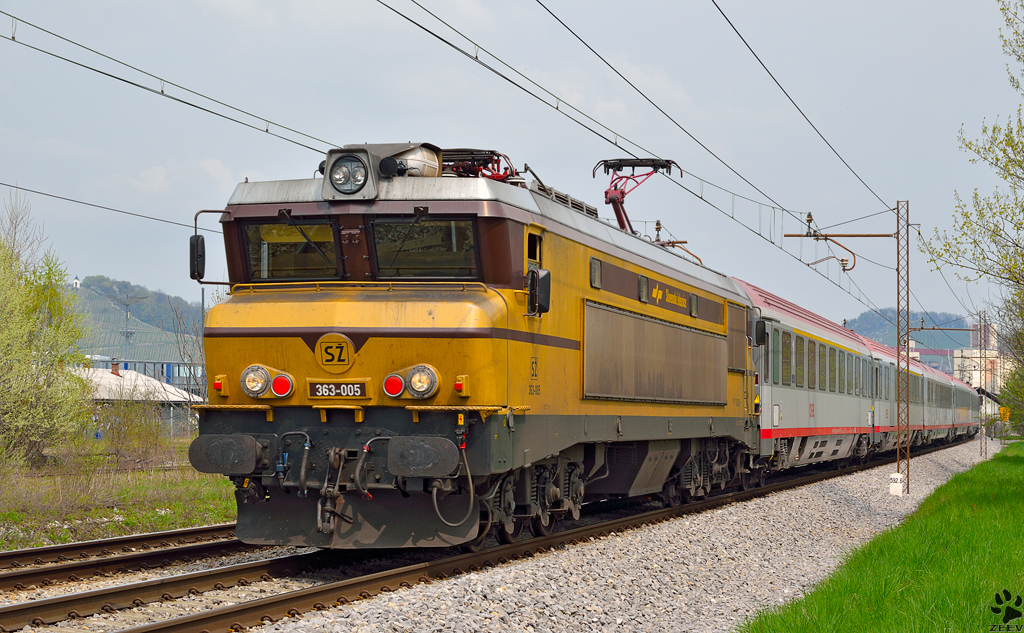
<point x="565" y="199"/>
<point x="737" y="338"/>
<point x="628" y="356"/>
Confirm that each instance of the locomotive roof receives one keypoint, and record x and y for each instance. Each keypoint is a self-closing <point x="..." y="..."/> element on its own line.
<point x="512" y="201"/>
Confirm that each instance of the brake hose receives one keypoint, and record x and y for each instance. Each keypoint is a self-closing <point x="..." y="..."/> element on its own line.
<point x="472" y="499"/>
<point x="358" y="475"/>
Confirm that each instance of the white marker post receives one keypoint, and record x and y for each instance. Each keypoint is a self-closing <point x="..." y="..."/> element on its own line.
<point x="896" y="484"/>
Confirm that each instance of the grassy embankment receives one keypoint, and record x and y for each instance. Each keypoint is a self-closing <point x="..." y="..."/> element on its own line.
<point x="937" y="571"/>
<point x="90" y="498"/>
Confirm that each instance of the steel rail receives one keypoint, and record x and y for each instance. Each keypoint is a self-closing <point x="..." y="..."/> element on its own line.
<point x="22" y="577"/>
<point x="109" y="599"/>
<point x="293" y="603"/>
<point x="109" y="546"/>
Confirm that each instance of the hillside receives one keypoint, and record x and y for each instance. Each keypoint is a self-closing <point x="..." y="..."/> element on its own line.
<point x="877" y="328"/>
<point x="156" y="309"/>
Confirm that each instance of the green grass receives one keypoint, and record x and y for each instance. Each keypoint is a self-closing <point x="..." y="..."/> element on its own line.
<point x="937" y="571"/>
<point x="89" y="500"/>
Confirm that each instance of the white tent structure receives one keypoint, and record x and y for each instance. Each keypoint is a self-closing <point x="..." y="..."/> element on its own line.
<point x="110" y="386"/>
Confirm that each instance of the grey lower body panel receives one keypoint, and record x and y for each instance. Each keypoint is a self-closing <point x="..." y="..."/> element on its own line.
<point x="386" y="521"/>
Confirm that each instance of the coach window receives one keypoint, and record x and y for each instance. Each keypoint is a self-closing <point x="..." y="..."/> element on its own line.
<point x="887" y="379"/>
<point x="800" y="361"/>
<point x="812" y="360"/>
<point x="832" y="369"/>
<point x="849" y="374"/>
<point x="822" y="366"/>
<point x="842" y="371"/>
<point x="776" y="368"/>
<point x="787" y="357"/>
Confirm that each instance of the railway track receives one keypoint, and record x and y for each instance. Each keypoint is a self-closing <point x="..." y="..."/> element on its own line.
<point x="253" y="612"/>
<point x="106" y="547"/>
<point x="43" y="566"/>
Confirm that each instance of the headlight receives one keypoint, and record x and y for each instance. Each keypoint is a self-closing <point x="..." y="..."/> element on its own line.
<point x="255" y="380"/>
<point x="348" y="174"/>
<point x="422" y="381"/>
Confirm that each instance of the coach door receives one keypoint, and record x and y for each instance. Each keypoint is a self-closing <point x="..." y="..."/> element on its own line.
<point x="769" y="417"/>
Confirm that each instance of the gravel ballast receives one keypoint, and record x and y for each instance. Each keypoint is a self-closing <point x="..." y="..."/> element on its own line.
<point x="706" y="572"/>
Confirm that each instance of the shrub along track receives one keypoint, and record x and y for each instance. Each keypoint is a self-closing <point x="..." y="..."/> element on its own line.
<point x="293" y="602"/>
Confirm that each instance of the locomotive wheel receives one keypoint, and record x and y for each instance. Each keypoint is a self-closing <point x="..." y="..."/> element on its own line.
<point x="539" y="527"/>
<point x="506" y="537"/>
<point x="747" y="481"/>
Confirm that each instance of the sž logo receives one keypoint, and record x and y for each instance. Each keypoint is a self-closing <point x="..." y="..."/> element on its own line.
<point x="1003" y="606"/>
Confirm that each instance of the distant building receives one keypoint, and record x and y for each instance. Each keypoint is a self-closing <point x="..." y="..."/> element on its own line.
<point x="117" y="385"/>
<point x="152" y="351"/>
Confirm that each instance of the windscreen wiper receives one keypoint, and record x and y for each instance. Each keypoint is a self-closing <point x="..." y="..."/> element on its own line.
<point x="286" y="214"/>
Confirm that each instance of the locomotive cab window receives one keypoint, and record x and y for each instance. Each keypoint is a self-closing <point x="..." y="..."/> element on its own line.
<point x="420" y="248"/>
<point x="304" y="249"/>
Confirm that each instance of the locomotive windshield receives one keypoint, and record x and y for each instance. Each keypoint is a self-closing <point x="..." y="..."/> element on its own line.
<point x="303" y="250"/>
<point x="408" y="247"/>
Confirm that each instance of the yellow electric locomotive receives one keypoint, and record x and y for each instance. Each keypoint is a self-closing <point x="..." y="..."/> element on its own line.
<point x="419" y="348"/>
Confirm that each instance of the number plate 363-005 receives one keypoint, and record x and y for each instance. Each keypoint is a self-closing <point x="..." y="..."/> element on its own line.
<point x="337" y="390"/>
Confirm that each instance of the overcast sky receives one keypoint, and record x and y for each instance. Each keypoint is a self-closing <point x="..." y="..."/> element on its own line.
<point x="889" y="84"/>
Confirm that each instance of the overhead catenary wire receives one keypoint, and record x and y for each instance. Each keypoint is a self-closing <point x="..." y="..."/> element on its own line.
<point x="931" y="318"/>
<point x="165" y="81"/>
<point x="692" y="137"/>
<point x="612" y="140"/>
<point x="100" y="206"/>
<point x="161" y="93"/>
<point x="888" y="206"/>
<point x="559" y="101"/>
<point x="863" y="217"/>
<point x="657" y="107"/>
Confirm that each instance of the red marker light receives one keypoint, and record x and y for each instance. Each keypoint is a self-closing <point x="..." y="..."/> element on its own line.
<point x="218" y="385"/>
<point x="281" y="386"/>
<point x="458" y="386"/>
<point x="394" y="385"/>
